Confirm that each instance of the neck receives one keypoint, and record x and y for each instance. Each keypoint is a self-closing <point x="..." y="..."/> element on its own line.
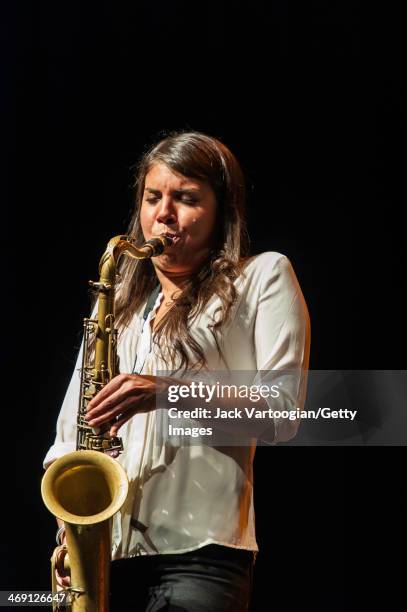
<point x="172" y="282"/>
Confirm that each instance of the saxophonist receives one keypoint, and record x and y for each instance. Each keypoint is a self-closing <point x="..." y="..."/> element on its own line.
<point x="185" y="537"/>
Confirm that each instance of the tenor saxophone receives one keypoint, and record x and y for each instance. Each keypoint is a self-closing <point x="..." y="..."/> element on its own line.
<point x="87" y="487"/>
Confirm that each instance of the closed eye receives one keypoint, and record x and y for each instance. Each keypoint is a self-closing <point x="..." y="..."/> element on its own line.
<point x="188" y="200"/>
<point x="183" y="199"/>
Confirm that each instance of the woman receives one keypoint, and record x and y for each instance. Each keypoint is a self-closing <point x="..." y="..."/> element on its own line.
<point x="185" y="538"/>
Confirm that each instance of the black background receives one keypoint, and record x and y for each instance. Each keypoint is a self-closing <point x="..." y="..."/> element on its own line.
<point x="311" y="98"/>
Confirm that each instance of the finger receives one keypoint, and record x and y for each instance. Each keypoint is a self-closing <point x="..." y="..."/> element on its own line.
<point x="112" y="386"/>
<point x="120" y="422"/>
<point x="63" y="581"/>
<point x="62" y="577"/>
<point x="143" y="405"/>
<point x="108" y="415"/>
<point x="109" y="403"/>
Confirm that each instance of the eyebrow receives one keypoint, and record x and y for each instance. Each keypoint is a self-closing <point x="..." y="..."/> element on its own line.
<point x="191" y="191"/>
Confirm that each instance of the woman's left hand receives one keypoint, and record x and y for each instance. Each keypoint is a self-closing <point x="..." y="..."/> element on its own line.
<point x="123" y="397"/>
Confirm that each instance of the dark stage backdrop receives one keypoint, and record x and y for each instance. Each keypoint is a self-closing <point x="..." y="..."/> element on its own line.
<point x="310" y="98"/>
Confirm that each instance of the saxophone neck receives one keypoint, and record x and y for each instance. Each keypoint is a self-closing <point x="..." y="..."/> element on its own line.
<point x="124" y="245"/>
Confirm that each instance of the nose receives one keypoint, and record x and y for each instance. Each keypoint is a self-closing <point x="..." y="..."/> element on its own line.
<point x="166" y="212"/>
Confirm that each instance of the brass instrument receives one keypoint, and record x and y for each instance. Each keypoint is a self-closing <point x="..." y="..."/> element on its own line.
<point x="87" y="487"/>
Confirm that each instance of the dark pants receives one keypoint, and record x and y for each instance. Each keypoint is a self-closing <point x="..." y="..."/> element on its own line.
<point x="211" y="579"/>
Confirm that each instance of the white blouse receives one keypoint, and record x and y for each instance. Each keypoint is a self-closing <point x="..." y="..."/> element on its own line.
<point x="184" y="496"/>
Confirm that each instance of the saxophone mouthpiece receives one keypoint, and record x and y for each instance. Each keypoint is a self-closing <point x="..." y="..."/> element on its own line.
<point x="168" y="238"/>
<point x="158" y="244"/>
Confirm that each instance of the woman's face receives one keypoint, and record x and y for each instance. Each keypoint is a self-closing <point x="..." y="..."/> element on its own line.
<point x="185" y="208"/>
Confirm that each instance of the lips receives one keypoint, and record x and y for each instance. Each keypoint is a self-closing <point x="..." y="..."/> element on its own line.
<point x="174" y="236"/>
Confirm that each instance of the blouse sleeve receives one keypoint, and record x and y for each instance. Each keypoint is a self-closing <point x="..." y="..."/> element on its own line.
<point x="65" y="439"/>
<point x="282" y="344"/>
<point x="66" y="429"/>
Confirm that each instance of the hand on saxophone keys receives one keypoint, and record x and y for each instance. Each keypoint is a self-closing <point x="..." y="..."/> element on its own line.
<point x="122" y="398"/>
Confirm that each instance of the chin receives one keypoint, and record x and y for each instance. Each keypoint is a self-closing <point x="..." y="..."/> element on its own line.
<point x="170" y="263"/>
<point x="166" y="260"/>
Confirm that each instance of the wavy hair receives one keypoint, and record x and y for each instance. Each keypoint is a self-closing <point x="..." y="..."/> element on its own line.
<point x="198" y="156"/>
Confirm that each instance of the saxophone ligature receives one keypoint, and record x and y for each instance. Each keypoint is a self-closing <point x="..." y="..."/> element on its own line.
<point x="86" y="487"/>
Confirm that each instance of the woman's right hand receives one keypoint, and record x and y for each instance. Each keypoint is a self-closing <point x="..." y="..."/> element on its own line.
<point x="61" y="575"/>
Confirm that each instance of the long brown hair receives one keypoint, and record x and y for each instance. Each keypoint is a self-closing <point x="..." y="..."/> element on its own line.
<point x="199" y="156"/>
